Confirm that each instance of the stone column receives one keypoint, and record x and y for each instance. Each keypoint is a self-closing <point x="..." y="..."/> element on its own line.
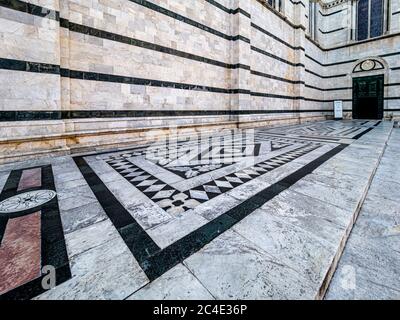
<point x="300" y="74"/>
<point x="241" y="59"/>
<point x="64" y="60"/>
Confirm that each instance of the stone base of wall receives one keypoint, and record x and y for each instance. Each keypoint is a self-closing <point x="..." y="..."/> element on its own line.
<point x="25" y="148"/>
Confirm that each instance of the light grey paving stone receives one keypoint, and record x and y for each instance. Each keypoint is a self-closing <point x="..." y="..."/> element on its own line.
<point x="92" y="236"/>
<point x="108" y="271"/>
<point x="386" y="170"/>
<point x="338" y="197"/>
<point x="307" y="158"/>
<point x="80" y="194"/>
<point x="76" y="201"/>
<point x="83" y="216"/>
<point x="173" y="230"/>
<point x="280" y="172"/>
<point x="232" y="267"/>
<point x="355" y="185"/>
<point x="248" y="189"/>
<point x="375" y="268"/>
<point x="309" y="255"/>
<point x="126" y="193"/>
<point x="324" y="221"/>
<point x="348" y="167"/>
<point x="384" y="229"/>
<point x="375" y="206"/>
<point x="358" y="156"/>
<point x="70" y="184"/>
<point x="176" y="284"/>
<point x="149" y="215"/>
<point x="104" y="171"/>
<point x="377" y="253"/>
<point x="69" y="175"/>
<point x="385" y="189"/>
<point x="354" y="283"/>
<point x="217" y="206"/>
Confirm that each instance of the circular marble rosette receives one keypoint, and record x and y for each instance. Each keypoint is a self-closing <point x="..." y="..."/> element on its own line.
<point x="23" y="203"/>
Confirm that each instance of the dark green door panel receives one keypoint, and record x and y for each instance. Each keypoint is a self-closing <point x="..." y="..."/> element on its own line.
<point x="368" y="97"/>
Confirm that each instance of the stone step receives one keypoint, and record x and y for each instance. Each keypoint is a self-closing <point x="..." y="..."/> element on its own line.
<point x="372" y="144"/>
<point x="368" y="268"/>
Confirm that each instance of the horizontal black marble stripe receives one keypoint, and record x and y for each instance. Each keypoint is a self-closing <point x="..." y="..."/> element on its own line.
<point x="331" y="13"/>
<point x="328" y="89"/>
<point x="35" y="67"/>
<point x="275" y="37"/>
<point x="74" y="74"/>
<point x="281" y="16"/>
<point x="93" y="76"/>
<point x="270" y="76"/>
<point x="331" y="31"/>
<point x="74" y="27"/>
<point x="28" y="66"/>
<point x="277" y="96"/>
<point x="395" y="68"/>
<point x="385" y="110"/>
<point x="265" y="53"/>
<point x="188" y="21"/>
<point x="87" y="114"/>
<point x="330" y="64"/>
<point x="349" y="61"/>
<point x="392" y="35"/>
<point x="397" y="12"/>
<point x="392" y="98"/>
<point x="30" y="9"/>
<point x="228" y="10"/>
<point x="325" y="77"/>
<point x="297" y="3"/>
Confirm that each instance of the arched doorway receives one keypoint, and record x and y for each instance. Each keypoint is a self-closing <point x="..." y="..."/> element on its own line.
<point x="368" y="89"/>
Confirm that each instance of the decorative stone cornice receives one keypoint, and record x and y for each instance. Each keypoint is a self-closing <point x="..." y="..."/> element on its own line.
<point x="331" y="4"/>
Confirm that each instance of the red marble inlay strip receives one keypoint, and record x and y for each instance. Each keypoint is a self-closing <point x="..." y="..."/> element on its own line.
<point x="30" y="178"/>
<point x="20" y="252"/>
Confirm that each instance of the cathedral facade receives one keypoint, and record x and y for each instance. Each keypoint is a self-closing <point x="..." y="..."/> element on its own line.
<point x="82" y="75"/>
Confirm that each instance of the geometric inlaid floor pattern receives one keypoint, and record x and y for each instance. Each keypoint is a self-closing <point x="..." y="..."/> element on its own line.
<point x="167" y="200"/>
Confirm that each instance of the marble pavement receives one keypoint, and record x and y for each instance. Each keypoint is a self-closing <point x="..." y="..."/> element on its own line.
<point x="247" y="214"/>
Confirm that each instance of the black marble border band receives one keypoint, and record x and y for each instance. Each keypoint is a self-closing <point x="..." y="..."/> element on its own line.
<point x="331" y="31"/>
<point x="53" y="247"/>
<point x="269" y="34"/>
<point x="86" y="114"/>
<point x="331" y="13"/>
<point x="29" y="66"/>
<point x="270" y="55"/>
<point x="295" y="3"/>
<point x="325" y="77"/>
<point x="227" y="10"/>
<point x="30" y="8"/>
